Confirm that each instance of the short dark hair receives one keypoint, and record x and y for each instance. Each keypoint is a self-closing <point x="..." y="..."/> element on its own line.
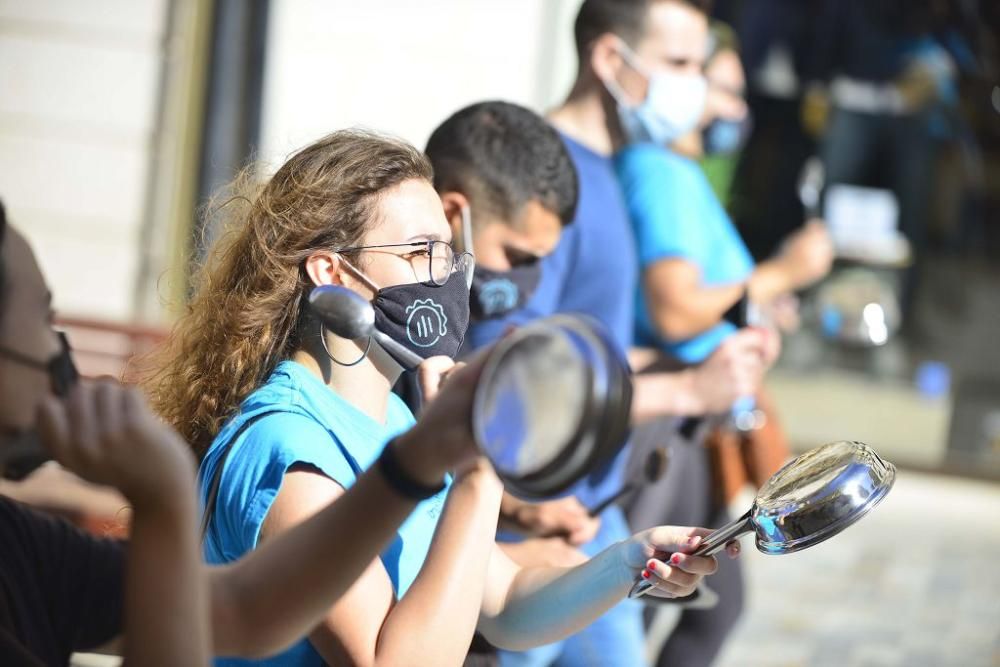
<point x="625" y="18"/>
<point x="502" y="156"/>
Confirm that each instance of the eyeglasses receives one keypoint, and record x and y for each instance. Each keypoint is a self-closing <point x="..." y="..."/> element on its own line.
<point x="60" y="368"/>
<point x="432" y="261"/>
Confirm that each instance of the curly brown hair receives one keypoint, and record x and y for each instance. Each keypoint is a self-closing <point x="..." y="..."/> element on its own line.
<point x="247" y="305"/>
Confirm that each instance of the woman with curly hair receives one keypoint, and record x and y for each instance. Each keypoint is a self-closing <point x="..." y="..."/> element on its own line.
<point x="286" y="415"/>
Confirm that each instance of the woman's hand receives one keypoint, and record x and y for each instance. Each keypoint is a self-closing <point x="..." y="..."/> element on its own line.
<point x="783" y="312"/>
<point x="441" y="441"/>
<point x="663" y="557"/>
<point x="433" y="373"/>
<point x="807" y="254"/>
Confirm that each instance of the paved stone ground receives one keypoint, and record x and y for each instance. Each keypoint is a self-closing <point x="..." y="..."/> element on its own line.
<point x="916" y="584"/>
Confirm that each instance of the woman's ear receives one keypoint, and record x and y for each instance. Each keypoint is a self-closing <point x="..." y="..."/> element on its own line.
<point x="325" y="268"/>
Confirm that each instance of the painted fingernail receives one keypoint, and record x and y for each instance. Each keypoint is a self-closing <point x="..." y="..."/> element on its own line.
<point x="676" y="558"/>
<point x="651" y="565"/>
<point x="645" y="574"/>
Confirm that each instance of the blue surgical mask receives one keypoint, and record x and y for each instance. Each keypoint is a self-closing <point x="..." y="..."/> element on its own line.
<point x="672" y="108"/>
<point x="725" y="137"/>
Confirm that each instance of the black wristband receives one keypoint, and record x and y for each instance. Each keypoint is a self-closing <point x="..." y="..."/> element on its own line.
<point x="400" y="480"/>
<point x="739" y="313"/>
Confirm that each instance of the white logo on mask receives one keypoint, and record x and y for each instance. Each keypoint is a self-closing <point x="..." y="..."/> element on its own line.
<point x="426" y="322"/>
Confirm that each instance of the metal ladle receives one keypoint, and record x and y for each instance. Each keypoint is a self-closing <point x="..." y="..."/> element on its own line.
<point x="811" y="499"/>
<point x="552" y="403"/>
<point x="347" y="314"/>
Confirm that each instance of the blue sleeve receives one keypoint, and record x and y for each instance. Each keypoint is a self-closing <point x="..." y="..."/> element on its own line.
<point x="257" y="466"/>
<point x="666" y="204"/>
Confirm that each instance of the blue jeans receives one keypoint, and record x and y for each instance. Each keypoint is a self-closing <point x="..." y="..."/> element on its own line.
<point x="614" y="639"/>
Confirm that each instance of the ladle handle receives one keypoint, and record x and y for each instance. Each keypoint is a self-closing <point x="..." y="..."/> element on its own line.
<point x="713" y="543"/>
<point x="407" y="357"/>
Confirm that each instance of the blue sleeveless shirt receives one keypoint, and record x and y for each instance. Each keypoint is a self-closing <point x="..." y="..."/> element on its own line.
<point x="316" y="427"/>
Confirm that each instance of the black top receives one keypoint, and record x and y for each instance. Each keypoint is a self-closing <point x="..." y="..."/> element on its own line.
<point x="61" y="589"/>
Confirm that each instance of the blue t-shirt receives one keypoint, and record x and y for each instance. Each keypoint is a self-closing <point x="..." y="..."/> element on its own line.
<point x="593" y="270"/>
<point x="676" y="214"/>
<point x="318" y="428"/>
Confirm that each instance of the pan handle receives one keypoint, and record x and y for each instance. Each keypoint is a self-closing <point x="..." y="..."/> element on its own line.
<point x="713" y="543"/>
<point x="716" y="541"/>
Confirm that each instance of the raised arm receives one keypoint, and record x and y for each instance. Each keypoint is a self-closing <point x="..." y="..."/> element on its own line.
<point x="281" y="591"/>
<point x="276" y="594"/>
<point x="106" y="434"/>
<point x="436" y="618"/>
<point x="679" y="303"/>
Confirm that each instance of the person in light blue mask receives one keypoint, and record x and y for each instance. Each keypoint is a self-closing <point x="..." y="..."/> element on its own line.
<point x="695" y="265"/>
<point x="722" y="139"/>
<point x="671" y="107"/>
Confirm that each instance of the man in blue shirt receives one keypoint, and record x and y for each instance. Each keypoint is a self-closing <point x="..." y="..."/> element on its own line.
<point x="508" y="187"/>
<point x="594" y="268"/>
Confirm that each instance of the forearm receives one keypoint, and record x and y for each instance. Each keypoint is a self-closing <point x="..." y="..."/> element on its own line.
<point x="695" y="312"/>
<point x="547" y="604"/>
<point x="166" y="606"/>
<point x="768" y="281"/>
<point x="437" y="617"/>
<point x="277" y="593"/>
<point x="657" y="395"/>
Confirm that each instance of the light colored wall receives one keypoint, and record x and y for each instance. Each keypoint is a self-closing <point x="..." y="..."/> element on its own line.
<point x="402" y="67"/>
<point x="78" y="102"/>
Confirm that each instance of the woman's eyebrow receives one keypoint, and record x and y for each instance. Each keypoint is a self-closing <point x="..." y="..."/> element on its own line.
<point x="425" y="237"/>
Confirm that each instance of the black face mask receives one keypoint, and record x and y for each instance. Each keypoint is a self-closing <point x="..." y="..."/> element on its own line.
<point x="429" y="319"/>
<point x="496" y="293"/>
<point x="21" y="451"/>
